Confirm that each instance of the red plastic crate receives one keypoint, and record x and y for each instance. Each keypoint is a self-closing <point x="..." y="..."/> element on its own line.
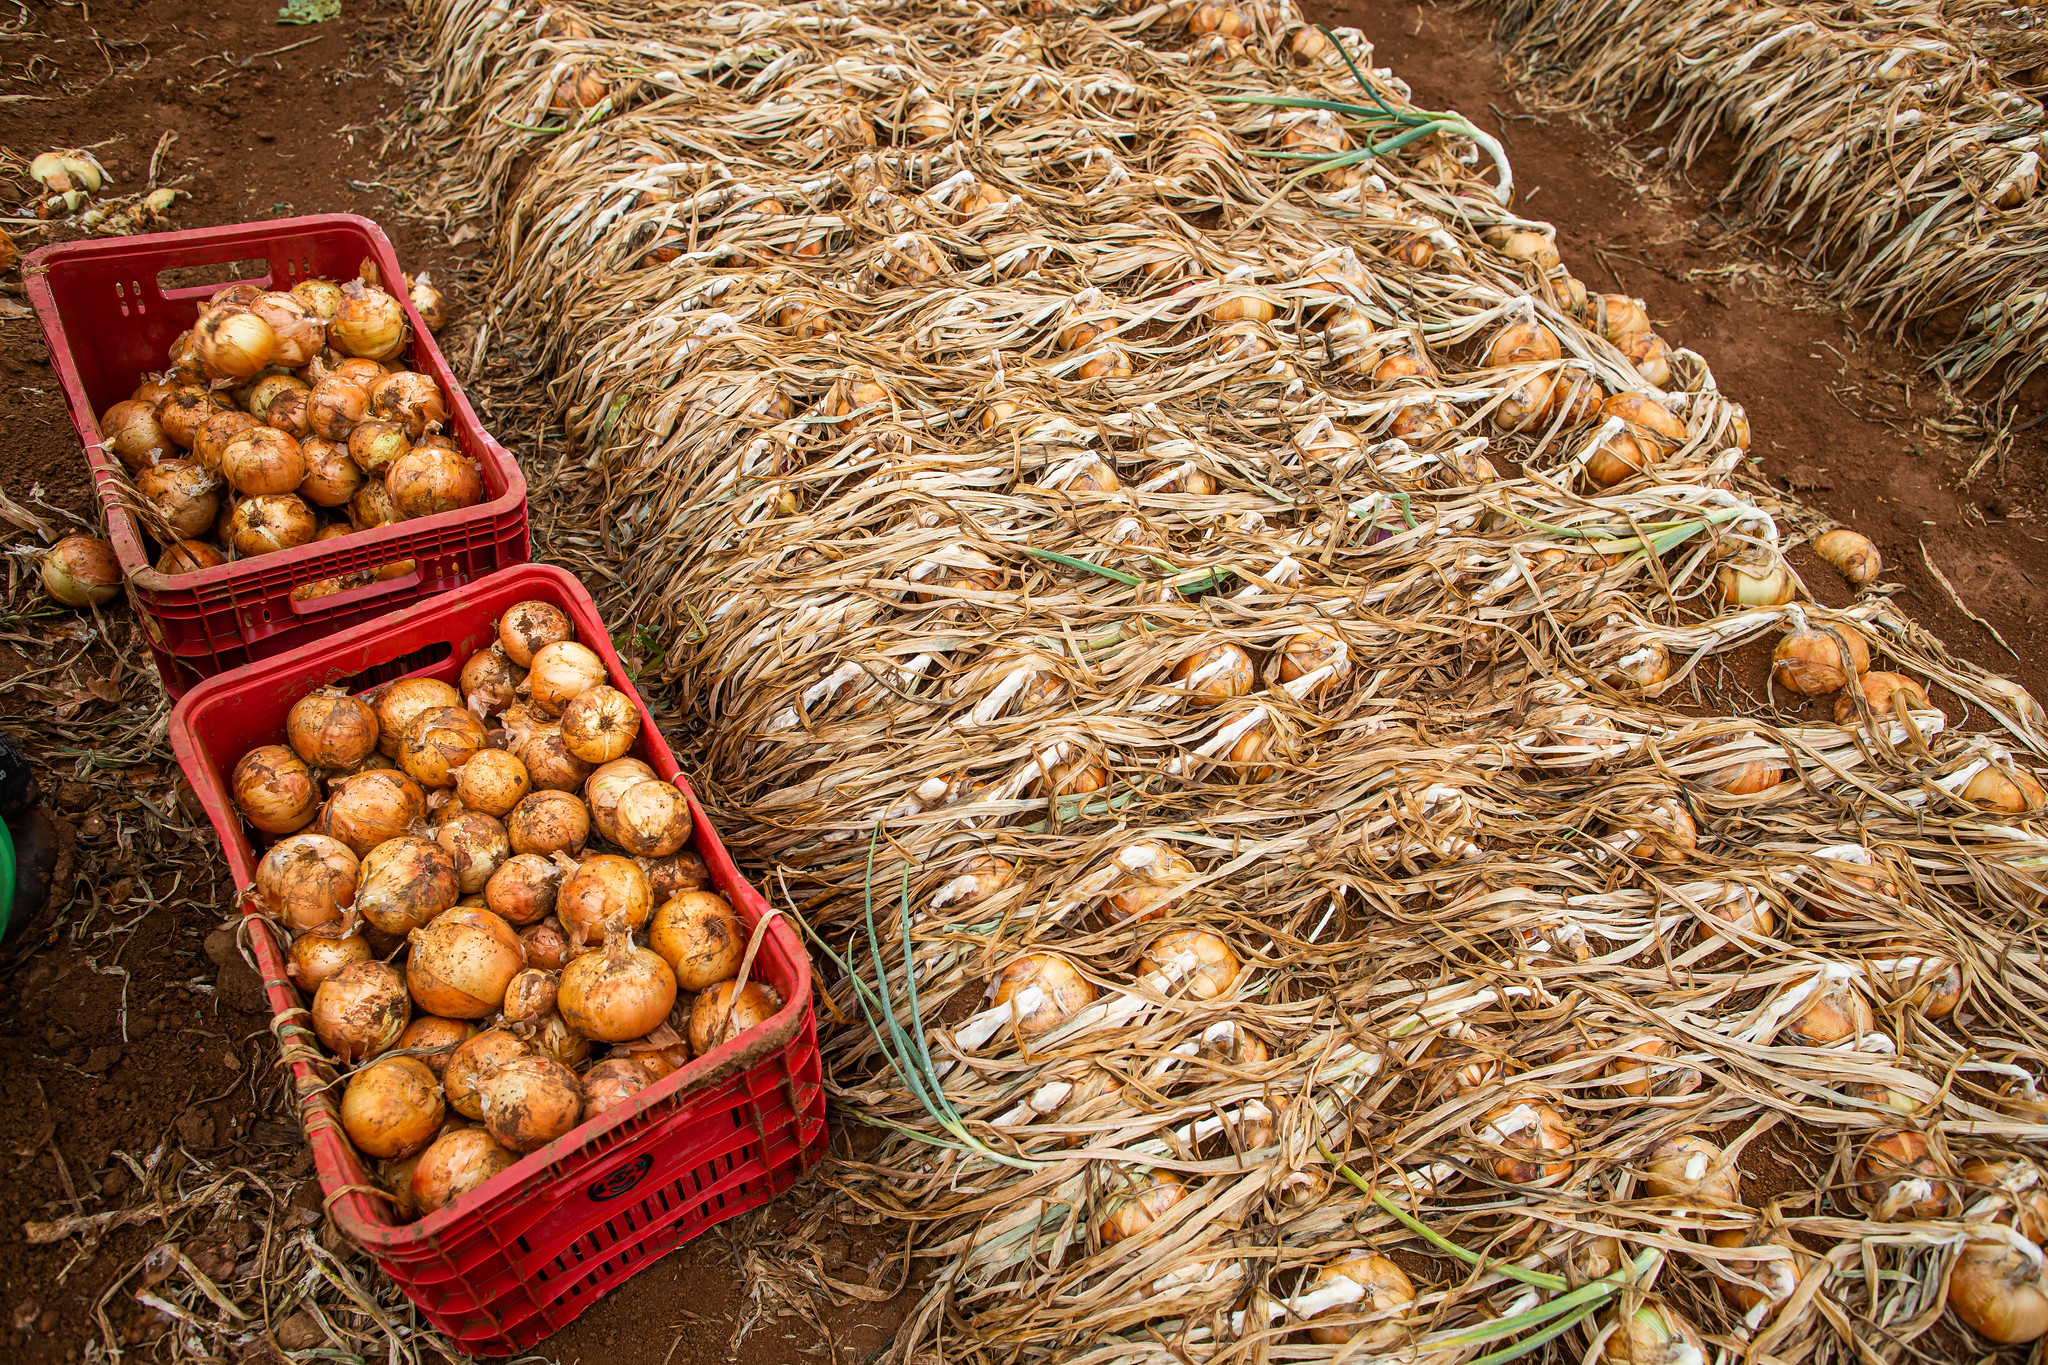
<point x="520" y="1256"/>
<point x="111" y="308"/>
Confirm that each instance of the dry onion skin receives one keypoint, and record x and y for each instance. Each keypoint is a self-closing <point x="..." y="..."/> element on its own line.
<point x="404" y="883"/>
<point x="530" y="1101"/>
<point x="652" y="819"/>
<point x="371" y="807"/>
<point x="274" y="789"/>
<point x="604" y="892"/>
<point x="392" y="1107"/>
<point x="315" y="956"/>
<point x="700" y="938"/>
<point x="524" y="888"/>
<point x="361" y="1010"/>
<point x="473" y="1060"/>
<point x="530" y="994"/>
<point x="331" y="729"/>
<point x="560" y="673"/>
<point x="434" y="1040"/>
<point x="307" y="882"/>
<point x="490" y="681"/>
<point x="617" y="993"/>
<point x="493" y="782"/>
<point x="600" y="724"/>
<point x="606" y="784"/>
<point x="455" y="1164"/>
<point x="1061" y="988"/>
<point x="399" y="702"/>
<point x="612" y="1084"/>
<point x="459" y="964"/>
<point x="528" y="627"/>
<point x="724" y="1012"/>
<point x="437" y="742"/>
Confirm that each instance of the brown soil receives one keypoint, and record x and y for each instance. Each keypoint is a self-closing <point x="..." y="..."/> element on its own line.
<point x="125" y="1029"/>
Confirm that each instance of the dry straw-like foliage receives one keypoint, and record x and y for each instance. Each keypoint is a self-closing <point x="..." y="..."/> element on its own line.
<point x="1900" y="140"/>
<point x="1076" y="529"/>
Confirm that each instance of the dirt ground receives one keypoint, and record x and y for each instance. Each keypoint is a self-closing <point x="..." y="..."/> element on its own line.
<point x="132" y="1044"/>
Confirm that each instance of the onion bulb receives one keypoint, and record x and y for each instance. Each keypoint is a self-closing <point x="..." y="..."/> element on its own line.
<point x="492" y="782"/>
<point x="1631" y="1076"/>
<point x="404" y="883"/>
<point x="1522" y="343"/>
<point x="1537" y="1144"/>
<point x="604" y="893"/>
<point x="370" y="807"/>
<point x="652" y="819"/>
<point x="606" y="784"/>
<point x="474" y="1059"/>
<point x="528" y="627"/>
<point x="1139" y="1200"/>
<point x="700" y="938"/>
<point x="618" y="993"/>
<point x="274" y="789"/>
<point x="307" y="882"/>
<point x="1649" y="433"/>
<point x="1928" y="984"/>
<point x="1740" y="587"/>
<point x="321" y="297"/>
<point x="455" y="1164"/>
<point x="1062" y="990"/>
<point x="392" y="1107"/>
<point x="478" y="844"/>
<point x="721" y="1014"/>
<point x="676" y="873"/>
<point x="523" y="889"/>
<point x="548" y="822"/>
<point x="1309" y="650"/>
<point x="549" y="764"/>
<point x="1886" y="694"/>
<point x="546" y="944"/>
<point x="1691" y="1168"/>
<point x="397" y="703"/>
<point x="561" y="672"/>
<point x="530" y="994"/>
<point x="1813" y="661"/>
<point x="298" y="333"/>
<point x="331" y="729"/>
<point x="427" y="301"/>
<point x="267" y="524"/>
<point x="334" y="407"/>
<point x="1205" y="962"/>
<point x="600" y="724"/>
<point x="1618" y="317"/>
<point x="134" y="436"/>
<point x="1835" y="1013"/>
<point x="411" y="400"/>
<point x="459" y="964"/>
<point x="1852" y="554"/>
<point x="1153" y="875"/>
<point x="1650" y="354"/>
<point x="233" y="342"/>
<point x="314" y="957"/>
<point x="1665" y="831"/>
<point x="189" y="556"/>
<point x="436" y="1039"/>
<point x="1386" y="1290"/>
<point x="530" y="1101"/>
<point x="490" y="681"/>
<point x="360" y="1010"/>
<point x="1898" y="1177"/>
<point x="1215" y="674"/>
<point x="552" y="1036"/>
<point x="1999" y="1291"/>
<point x="438" y="740"/>
<point x="1651" y="1335"/>
<point x="81" y="571"/>
<point x="427" y="480"/>
<point x="368" y="322"/>
<point x="186" y="496"/>
<point x="2005" y="787"/>
<point x="375" y="447"/>
<point x="611" y="1083"/>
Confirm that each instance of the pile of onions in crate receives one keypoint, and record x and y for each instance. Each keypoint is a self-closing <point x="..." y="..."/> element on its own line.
<point x="286" y="418"/>
<point x="465" y="942"/>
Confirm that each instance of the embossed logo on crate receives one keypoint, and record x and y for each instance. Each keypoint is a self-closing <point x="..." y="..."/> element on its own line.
<point x="624" y="1178"/>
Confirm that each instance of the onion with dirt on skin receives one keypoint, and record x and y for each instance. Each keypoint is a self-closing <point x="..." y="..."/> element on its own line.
<point x="334" y="407"/>
<point x="322" y="298"/>
<point x="1215" y="674"/>
<point x="307" y="881"/>
<point x="1650" y="432"/>
<point x="1139" y="1199"/>
<point x="530" y="1101"/>
<point x="552" y="1036"/>
<point x="370" y="807"/>
<point x="427" y="480"/>
<point x="530" y="994"/>
<point x="409" y="399"/>
<point x="1886" y="694"/>
<point x="1693" y="1169"/>
<point x="611" y="1083"/>
<point x="1060" y="989"/>
<point x="478" y="844"/>
<point x="405" y="882"/>
<point x="439" y="740"/>
<point x="528" y="627"/>
<point x="398" y="702"/>
<point x="435" y="1039"/>
<point x="560" y="673"/>
<point x="606" y="784"/>
<point x="1537" y="1144"/>
<point x="492" y="782"/>
<point x="274" y="789"/>
<point x="474" y="1059"/>
<point x="549" y="764"/>
<point x="602" y="893"/>
<point x="1999" y="1289"/>
<point x="652" y="819"/>
<point x="360" y="1010"/>
<point x="722" y="1013"/>
<point x="186" y="496"/>
<point x="233" y="342"/>
<point x="368" y="323"/>
<point x="700" y="938"/>
<point x="179" y="415"/>
<point x="392" y="1107"/>
<point x="1200" y="962"/>
<point x="81" y="571"/>
<point x="264" y="525"/>
<point x="1813" y="660"/>
<point x="134" y="436"/>
<point x="455" y="1164"/>
<point x="331" y="729"/>
<point x="1898" y="1177"/>
<point x="315" y="956"/>
<point x="490" y="681"/>
<point x="600" y="724"/>
<point x="1384" y="1289"/>
<point x="459" y="964"/>
<point x="548" y="822"/>
<point x="524" y="888"/>
<point x="546" y="944"/>
<point x="618" y="993"/>
<point x="376" y="446"/>
<point x="189" y="556"/>
<point x="214" y="434"/>
<point x="1851" y="553"/>
<point x="674" y="874"/>
<point x="427" y="301"/>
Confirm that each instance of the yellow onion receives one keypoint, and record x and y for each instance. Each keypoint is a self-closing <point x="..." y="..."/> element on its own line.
<point x="186" y="496"/>
<point x="331" y="729"/>
<point x="606" y="784"/>
<point x="428" y="479"/>
<point x="721" y="1014"/>
<point x="438" y="740"/>
<point x="1153" y="875"/>
<point x="1225" y="673"/>
<point x="1309" y="650"/>
<point x="700" y="938"/>
<point x="1649" y="433"/>
<point x="549" y="764"/>
<point x="1576" y="398"/>
<point x="1061" y="987"/>
<point x="265" y="525"/>
<point x="1691" y="1168"/>
<point x="472" y="1060"/>
<point x="1898" y="1177"/>
<point x="404" y="883"/>
<point x="1139" y="1199"/>
<point x="397" y="703"/>
<point x="263" y="394"/>
<point x="367" y="808"/>
<point x="478" y="844"/>
<point x="1665" y="830"/>
<point x="233" y="342"/>
<point x="274" y="789"/>
<point x="490" y="681"/>
<point x="322" y="298"/>
<point x="1650" y="1335"/>
<point x="548" y="822"/>
<point x="1207" y="965"/>
<point x="81" y="571"/>
<point x="314" y="957"/>
<point x="1387" y="1289"/>
<point x="135" y="436"/>
<point x="298" y="333"/>
<point x="2006" y="788"/>
<point x="1813" y="661"/>
<point x="360" y="1010"/>
<point x="1521" y="343"/>
<point x="529" y="626"/>
<point x="492" y="782"/>
<point x="1650" y="354"/>
<point x="530" y="1101"/>
<point x="409" y="399"/>
<point x="1617" y="317"/>
<point x="530" y="994"/>
<point x="392" y="1107"/>
<point x="1886" y="694"/>
<point x="611" y="1084"/>
<point x="560" y="673"/>
<point x="459" y="964"/>
<point x="551" y="1036"/>
<point x="617" y="993"/>
<point x="189" y="556"/>
<point x="214" y="434"/>
<point x="1536" y="1141"/>
<point x="1741" y="587"/>
<point x="1928" y="984"/>
<point x="1835" y="1013"/>
<point x="334" y="407"/>
<point x="524" y="888"/>
<point x="1634" y="1078"/>
<point x="675" y="873"/>
<point x="367" y="323"/>
<point x="652" y="819"/>
<point x="546" y="944"/>
<point x="604" y="892"/>
<point x="427" y="301"/>
<point x="307" y="881"/>
<point x="455" y="1164"/>
<point x="374" y="447"/>
<point x="435" y="1039"/>
<point x="1850" y="553"/>
<point x="600" y="724"/>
